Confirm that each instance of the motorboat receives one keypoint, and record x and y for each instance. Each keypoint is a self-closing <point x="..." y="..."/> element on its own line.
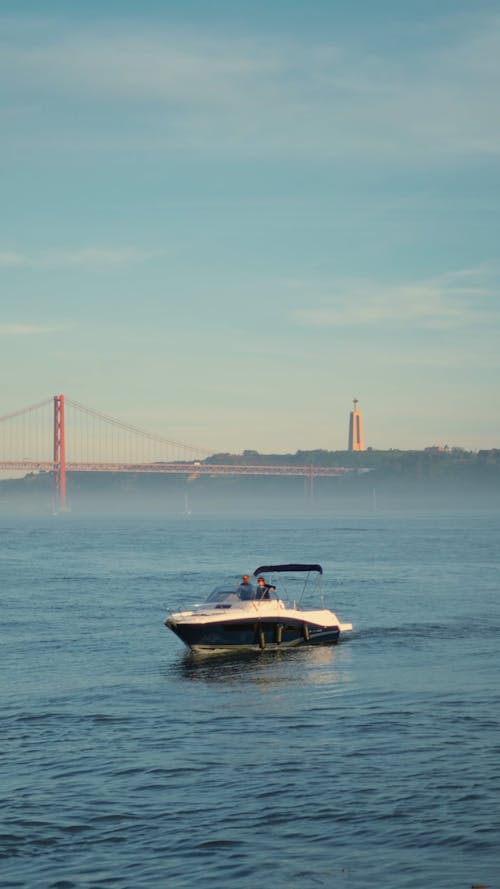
<point x="257" y="615"/>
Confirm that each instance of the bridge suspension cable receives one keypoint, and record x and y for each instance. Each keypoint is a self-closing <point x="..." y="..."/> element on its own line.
<point x="25" y="433"/>
<point x="136" y="430"/>
<point x="26" y="410"/>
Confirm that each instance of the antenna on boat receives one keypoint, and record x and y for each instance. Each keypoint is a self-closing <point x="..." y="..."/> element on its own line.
<point x="304" y="587"/>
<point x="317" y="586"/>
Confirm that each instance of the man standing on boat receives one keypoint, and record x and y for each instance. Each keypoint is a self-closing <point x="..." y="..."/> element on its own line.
<point x="245" y="589"/>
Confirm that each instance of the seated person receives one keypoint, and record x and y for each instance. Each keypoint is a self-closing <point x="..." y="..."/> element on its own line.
<point x="264" y="589"/>
<point x="245" y="589"/>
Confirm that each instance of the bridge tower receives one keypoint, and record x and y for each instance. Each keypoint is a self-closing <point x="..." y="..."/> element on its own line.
<point x="356" y="441"/>
<point x="59" y="453"/>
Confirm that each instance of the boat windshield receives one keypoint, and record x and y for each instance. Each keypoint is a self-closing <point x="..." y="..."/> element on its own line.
<point x="244" y="591"/>
<point x="220" y="593"/>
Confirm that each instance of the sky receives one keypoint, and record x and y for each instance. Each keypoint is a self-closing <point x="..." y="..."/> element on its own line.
<point x="223" y="221"/>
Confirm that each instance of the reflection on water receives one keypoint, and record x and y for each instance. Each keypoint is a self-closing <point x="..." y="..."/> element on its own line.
<point x="319" y="664"/>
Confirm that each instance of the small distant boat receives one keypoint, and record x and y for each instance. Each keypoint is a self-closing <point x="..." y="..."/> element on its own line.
<point x="254" y="616"/>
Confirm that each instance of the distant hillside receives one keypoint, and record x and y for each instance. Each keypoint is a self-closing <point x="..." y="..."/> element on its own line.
<point x="451" y="479"/>
<point x="430" y="463"/>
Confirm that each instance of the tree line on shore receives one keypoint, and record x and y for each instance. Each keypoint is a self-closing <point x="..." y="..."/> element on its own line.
<point x="385" y="479"/>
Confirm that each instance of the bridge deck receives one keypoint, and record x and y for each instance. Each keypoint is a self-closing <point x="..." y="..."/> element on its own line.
<point x="191" y="469"/>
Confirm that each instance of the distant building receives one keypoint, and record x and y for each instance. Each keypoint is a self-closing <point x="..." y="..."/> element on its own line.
<point x="356" y="441"/>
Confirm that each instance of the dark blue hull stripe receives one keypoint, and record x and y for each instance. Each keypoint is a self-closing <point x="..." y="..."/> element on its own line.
<point x="253" y="634"/>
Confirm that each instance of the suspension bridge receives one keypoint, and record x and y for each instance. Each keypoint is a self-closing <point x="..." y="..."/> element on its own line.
<point x="60" y="436"/>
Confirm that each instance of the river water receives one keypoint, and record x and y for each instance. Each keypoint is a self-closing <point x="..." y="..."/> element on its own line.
<point x="127" y="763"/>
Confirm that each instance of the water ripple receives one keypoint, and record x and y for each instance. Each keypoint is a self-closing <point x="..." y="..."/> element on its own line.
<point x="127" y="763"/>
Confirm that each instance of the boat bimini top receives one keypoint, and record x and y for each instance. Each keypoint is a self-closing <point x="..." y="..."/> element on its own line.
<point x="294" y="566"/>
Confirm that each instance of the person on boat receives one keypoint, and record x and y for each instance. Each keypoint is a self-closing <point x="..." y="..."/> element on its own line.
<point x="245" y="589"/>
<point x="264" y="589"/>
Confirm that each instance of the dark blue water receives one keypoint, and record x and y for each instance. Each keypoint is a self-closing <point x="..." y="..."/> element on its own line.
<point x="127" y="764"/>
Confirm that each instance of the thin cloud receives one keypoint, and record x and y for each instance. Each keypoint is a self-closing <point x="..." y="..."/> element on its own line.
<point x="85" y="257"/>
<point x="27" y="329"/>
<point x="11" y="259"/>
<point x="454" y="300"/>
<point x="426" y="94"/>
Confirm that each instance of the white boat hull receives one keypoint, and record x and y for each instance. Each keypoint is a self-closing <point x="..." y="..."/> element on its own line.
<point x="255" y="625"/>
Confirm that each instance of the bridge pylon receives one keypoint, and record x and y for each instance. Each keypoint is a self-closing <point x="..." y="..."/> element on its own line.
<point x="59" y="454"/>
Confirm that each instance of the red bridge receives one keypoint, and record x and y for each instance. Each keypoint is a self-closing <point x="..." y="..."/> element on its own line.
<point x="96" y="442"/>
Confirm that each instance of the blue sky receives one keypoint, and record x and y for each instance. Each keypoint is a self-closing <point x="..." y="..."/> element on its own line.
<point x="223" y="221"/>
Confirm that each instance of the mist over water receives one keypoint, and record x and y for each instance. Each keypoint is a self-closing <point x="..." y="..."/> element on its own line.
<point x="165" y="495"/>
<point x="128" y="763"/>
